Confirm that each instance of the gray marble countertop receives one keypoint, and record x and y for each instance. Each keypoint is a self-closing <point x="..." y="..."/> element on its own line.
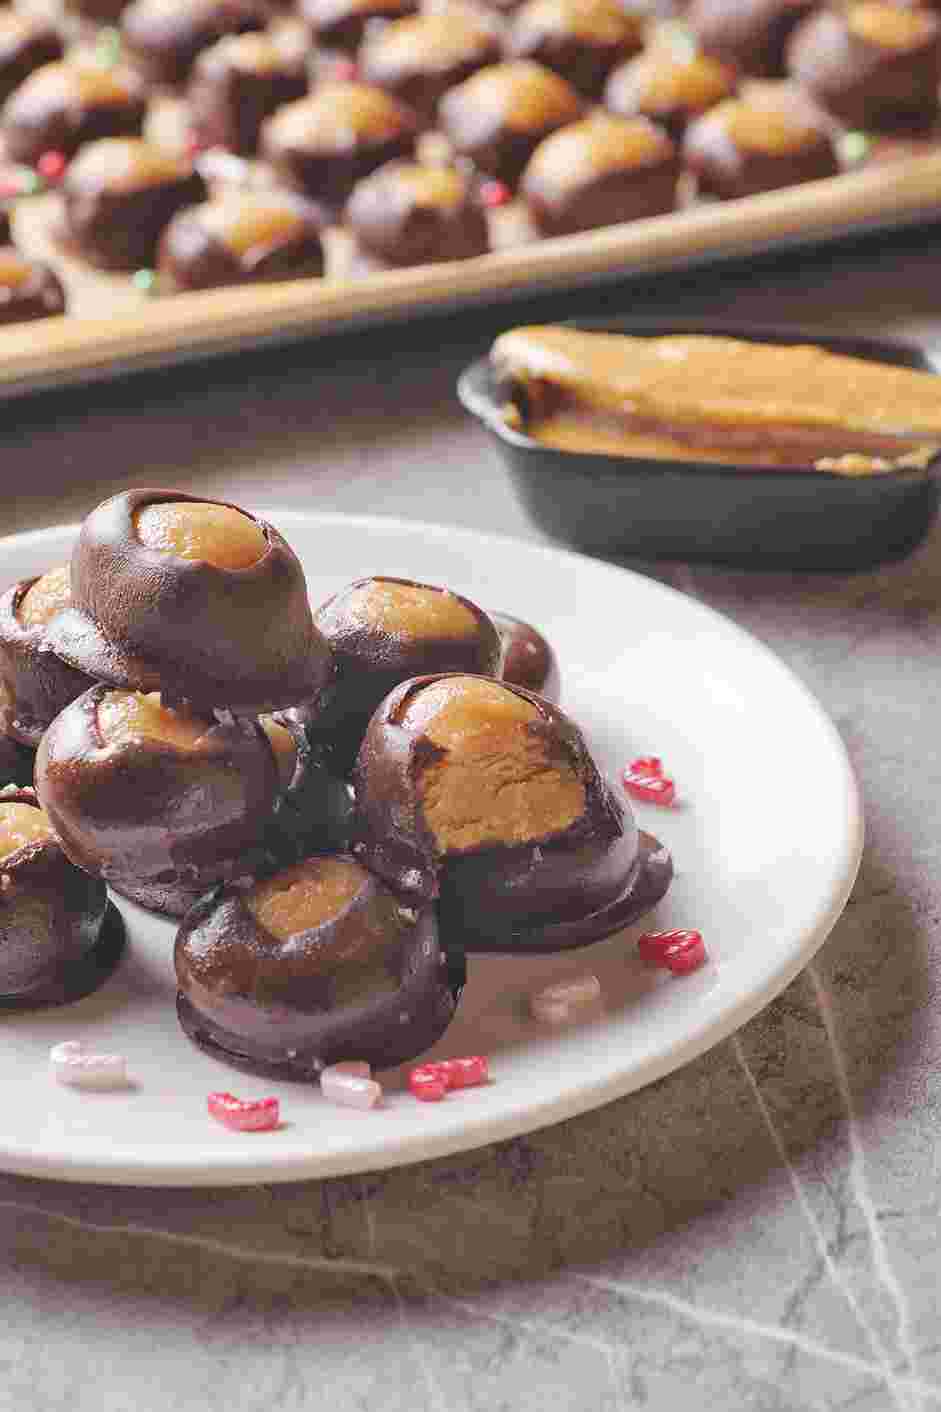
<point x="760" y="1230"/>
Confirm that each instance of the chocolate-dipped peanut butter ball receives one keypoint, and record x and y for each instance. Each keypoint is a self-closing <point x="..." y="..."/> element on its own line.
<point x="769" y="137"/>
<point x="163" y="37"/>
<point x="323" y="145"/>
<point x="118" y="196"/>
<point x="241" y="237"/>
<point x="583" y="40"/>
<point x="59" y="935"/>
<point x="407" y="213"/>
<point x="26" y="43"/>
<point x="342" y="24"/>
<point x="599" y="172"/>
<point x="194" y="598"/>
<point x="16" y="760"/>
<point x="420" y="58"/>
<point x="237" y="84"/>
<point x="668" y="89"/>
<point x="485" y="796"/>
<point x="498" y="117"/>
<point x="528" y="659"/>
<point x="62" y="106"/>
<point x="38" y="684"/>
<point x="318" y="964"/>
<point x="28" y="288"/>
<point x="872" y="65"/>
<point x="161" y="804"/>
<point x="751" y="35"/>
<point x="382" y="631"/>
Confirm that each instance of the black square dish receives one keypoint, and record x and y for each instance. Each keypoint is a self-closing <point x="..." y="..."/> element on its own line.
<point x="745" y="516"/>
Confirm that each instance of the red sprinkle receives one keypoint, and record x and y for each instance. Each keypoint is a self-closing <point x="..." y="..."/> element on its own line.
<point x="344" y="71"/>
<point x="51" y="167"/>
<point x="646" y="765"/>
<point x="495" y="193"/>
<point x="677" y="951"/>
<point x="195" y="145"/>
<point x="428" y="1082"/>
<point x="244" y="1115"/>
<point x="651" y="788"/>
<point x="465" y="1073"/>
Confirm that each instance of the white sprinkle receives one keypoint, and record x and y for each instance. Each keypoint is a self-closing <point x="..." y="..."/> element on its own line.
<point x="357" y="1067"/>
<point x="349" y="1090"/>
<point x="71" y="1063"/>
<point x="567" y="1000"/>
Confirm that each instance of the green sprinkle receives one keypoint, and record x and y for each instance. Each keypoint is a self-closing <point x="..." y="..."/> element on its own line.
<point x="108" y="47"/>
<point x="31" y="183"/>
<point x="145" y="281"/>
<point x="854" y="147"/>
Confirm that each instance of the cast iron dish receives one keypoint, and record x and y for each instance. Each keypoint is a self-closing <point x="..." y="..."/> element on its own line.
<point x="745" y="516"/>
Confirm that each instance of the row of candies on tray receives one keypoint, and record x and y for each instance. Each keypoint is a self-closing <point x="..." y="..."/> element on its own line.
<point x="590" y="114"/>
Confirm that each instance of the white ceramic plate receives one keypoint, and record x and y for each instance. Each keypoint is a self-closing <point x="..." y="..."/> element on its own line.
<point x="764" y="867"/>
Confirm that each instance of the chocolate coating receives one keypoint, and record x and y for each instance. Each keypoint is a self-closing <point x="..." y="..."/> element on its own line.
<point x="241" y="237"/>
<point x="289" y="1006"/>
<point x="159" y="824"/>
<point x="315" y="813"/>
<point x="59" y="936"/>
<point x="103" y="11"/>
<point x="420" y="58"/>
<point x="26" y="43"/>
<point x="118" y="196"/>
<point x="163" y="37"/>
<point x="569" y="886"/>
<point x="669" y="90"/>
<point x="769" y="138"/>
<point x="16" y="760"/>
<point x="407" y="214"/>
<point x="28" y="288"/>
<point x="528" y="659"/>
<point x="599" y="172"/>
<point x="341" y="24"/>
<point x="38" y="684"/>
<point x="323" y="145"/>
<point x="583" y="40"/>
<point x="749" y="34"/>
<point x="871" y="65"/>
<point x="6" y="232"/>
<point x="498" y="117"/>
<point x="241" y="639"/>
<point x="237" y="84"/>
<point x="62" y="106"/>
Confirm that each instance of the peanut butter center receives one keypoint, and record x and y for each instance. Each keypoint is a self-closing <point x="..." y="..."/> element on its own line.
<point x="21" y="824"/>
<point x="407" y="612"/>
<point x="123" y="164"/>
<point x="243" y="223"/>
<point x="305" y="895"/>
<point x="777" y="128"/>
<point x="253" y="53"/>
<point x="14" y="270"/>
<point x="890" y="27"/>
<point x="128" y="716"/>
<point x="282" y="744"/>
<point x="438" y="187"/>
<point x="596" y="147"/>
<point x="338" y="116"/>
<point x="498" y="782"/>
<point x="664" y="83"/>
<point x="595" y="21"/>
<point x="527" y="96"/>
<point x="437" y="40"/>
<point x="217" y="534"/>
<point x="47" y="596"/>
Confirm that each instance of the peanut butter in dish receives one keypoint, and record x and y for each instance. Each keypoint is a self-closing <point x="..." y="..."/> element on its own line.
<point x="697" y="398"/>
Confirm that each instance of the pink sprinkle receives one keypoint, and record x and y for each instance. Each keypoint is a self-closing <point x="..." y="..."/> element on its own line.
<point x="428" y="1083"/>
<point x="468" y="1072"/>
<point x="349" y="1090"/>
<point x="646" y="765"/>
<point x="244" y="1115"/>
<point x="494" y="194"/>
<point x="679" y="951"/>
<point x="51" y="167"/>
<point x="650" y="789"/>
<point x="566" y="1001"/>
<point x="344" y="71"/>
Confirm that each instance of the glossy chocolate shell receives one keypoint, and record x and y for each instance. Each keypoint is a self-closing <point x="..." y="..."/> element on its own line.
<point x="498" y="117"/>
<point x="420" y="58"/>
<point x="751" y="35"/>
<point x="163" y="38"/>
<point x="158" y="824"/>
<point x="243" y="237"/>
<point x="28" y="289"/>
<point x="38" y="683"/>
<point x="59" y="935"/>
<point x="566" y="888"/>
<point x="26" y="43"/>
<point x="668" y="89"/>
<point x="528" y="659"/>
<point x="290" y="1007"/>
<point x="787" y="142"/>
<point x="871" y="65"/>
<point x="583" y="40"/>
<point x="341" y="24"/>
<point x="242" y="640"/>
<point x="16" y="760"/>
<point x="406" y="214"/>
<point x="315" y="812"/>
<point x="118" y="196"/>
<point x="62" y="106"/>
<point x="372" y="658"/>
<point x="236" y="85"/>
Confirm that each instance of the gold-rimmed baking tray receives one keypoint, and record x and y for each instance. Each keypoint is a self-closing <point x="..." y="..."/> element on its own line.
<point x="114" y="330"/>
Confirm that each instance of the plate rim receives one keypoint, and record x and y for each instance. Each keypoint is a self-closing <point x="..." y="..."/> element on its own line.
<point x="120" y="1168"/>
